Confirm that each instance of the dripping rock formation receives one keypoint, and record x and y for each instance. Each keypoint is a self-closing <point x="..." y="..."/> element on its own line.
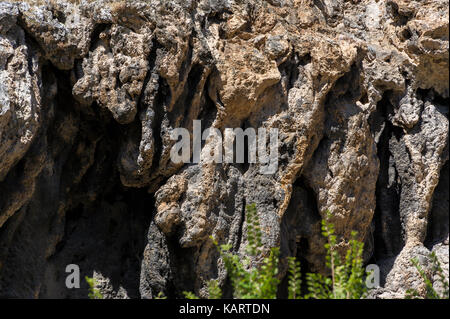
<point x="91" y="90"/>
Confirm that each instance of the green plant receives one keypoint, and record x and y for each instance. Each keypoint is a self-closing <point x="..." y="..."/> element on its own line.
<point x="347" y="275"/>
<point x="251" y="282"/>
<point x="94" y="293"/>
<point x="295" y="281"/>
<point x="160" y="295"/>
<point x="430" y="293"/>
<point x="248" y="282"/>
<point x="190" y="295"/>
<point x="214" y="290"/>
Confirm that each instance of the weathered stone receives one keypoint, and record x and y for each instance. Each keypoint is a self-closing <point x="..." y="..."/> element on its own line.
<point x="90" y="93"/>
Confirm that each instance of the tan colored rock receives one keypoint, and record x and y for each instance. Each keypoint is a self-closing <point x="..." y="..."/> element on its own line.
<point x="90" y="92"/>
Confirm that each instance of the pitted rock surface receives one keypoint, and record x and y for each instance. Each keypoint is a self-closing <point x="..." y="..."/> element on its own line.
<point x="90" y="92"/>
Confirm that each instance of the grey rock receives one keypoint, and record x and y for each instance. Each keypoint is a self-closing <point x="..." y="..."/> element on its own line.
<point x="90" y="92"/>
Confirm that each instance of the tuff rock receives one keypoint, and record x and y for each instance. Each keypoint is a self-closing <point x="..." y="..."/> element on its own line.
<point x="90" y="92"/>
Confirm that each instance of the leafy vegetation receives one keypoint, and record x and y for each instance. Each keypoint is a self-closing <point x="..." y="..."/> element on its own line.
<point x="214" y="290"/>
<point x="346" y="280"/>
<point x="347" y="275"/>
<point x="94" y="293"/>
<point x="295" y="280"/>
<point x="160" y="295"/>
<point x="250" y="282"/>
<point x="430" y="293"/>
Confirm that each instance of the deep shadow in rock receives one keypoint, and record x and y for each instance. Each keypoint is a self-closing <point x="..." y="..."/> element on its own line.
<point x="106" y="239"/>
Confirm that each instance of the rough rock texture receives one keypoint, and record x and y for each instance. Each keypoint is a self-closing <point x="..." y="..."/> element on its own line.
<point x="90" y="92"/>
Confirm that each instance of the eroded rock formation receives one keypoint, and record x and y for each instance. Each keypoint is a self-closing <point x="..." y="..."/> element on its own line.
<point x="90" y="92"/>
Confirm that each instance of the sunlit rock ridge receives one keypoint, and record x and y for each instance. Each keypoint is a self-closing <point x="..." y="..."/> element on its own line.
<point x="90" y="92"/>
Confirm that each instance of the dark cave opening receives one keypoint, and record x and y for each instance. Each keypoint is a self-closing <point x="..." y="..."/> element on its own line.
<point x="105" y="223"/>
<point x="106" y="238"/>
<point x="300" y="223"/>
<point x="387" y="216"/>
<point x="84" y="213"/>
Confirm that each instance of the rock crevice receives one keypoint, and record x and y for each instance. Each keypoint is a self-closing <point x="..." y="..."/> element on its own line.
<point x="90" y="93"/>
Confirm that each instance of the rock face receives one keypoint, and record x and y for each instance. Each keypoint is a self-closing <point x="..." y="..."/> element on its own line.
<point x="90" y="93"/>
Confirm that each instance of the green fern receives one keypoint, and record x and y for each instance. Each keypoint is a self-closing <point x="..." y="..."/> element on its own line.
<point x="94" y="293"/>
<point x="251" y="282"/>
<point x="190" y="295"/>
<point x="214" y="290"/>
<point x="248" y="282"/>
<point x="160" y="295"/>
<point x="295" y="281"/>
<point x="347" y="275"/>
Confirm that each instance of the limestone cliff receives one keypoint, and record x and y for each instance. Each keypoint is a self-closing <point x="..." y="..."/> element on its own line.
<point x="90" y="92"/>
